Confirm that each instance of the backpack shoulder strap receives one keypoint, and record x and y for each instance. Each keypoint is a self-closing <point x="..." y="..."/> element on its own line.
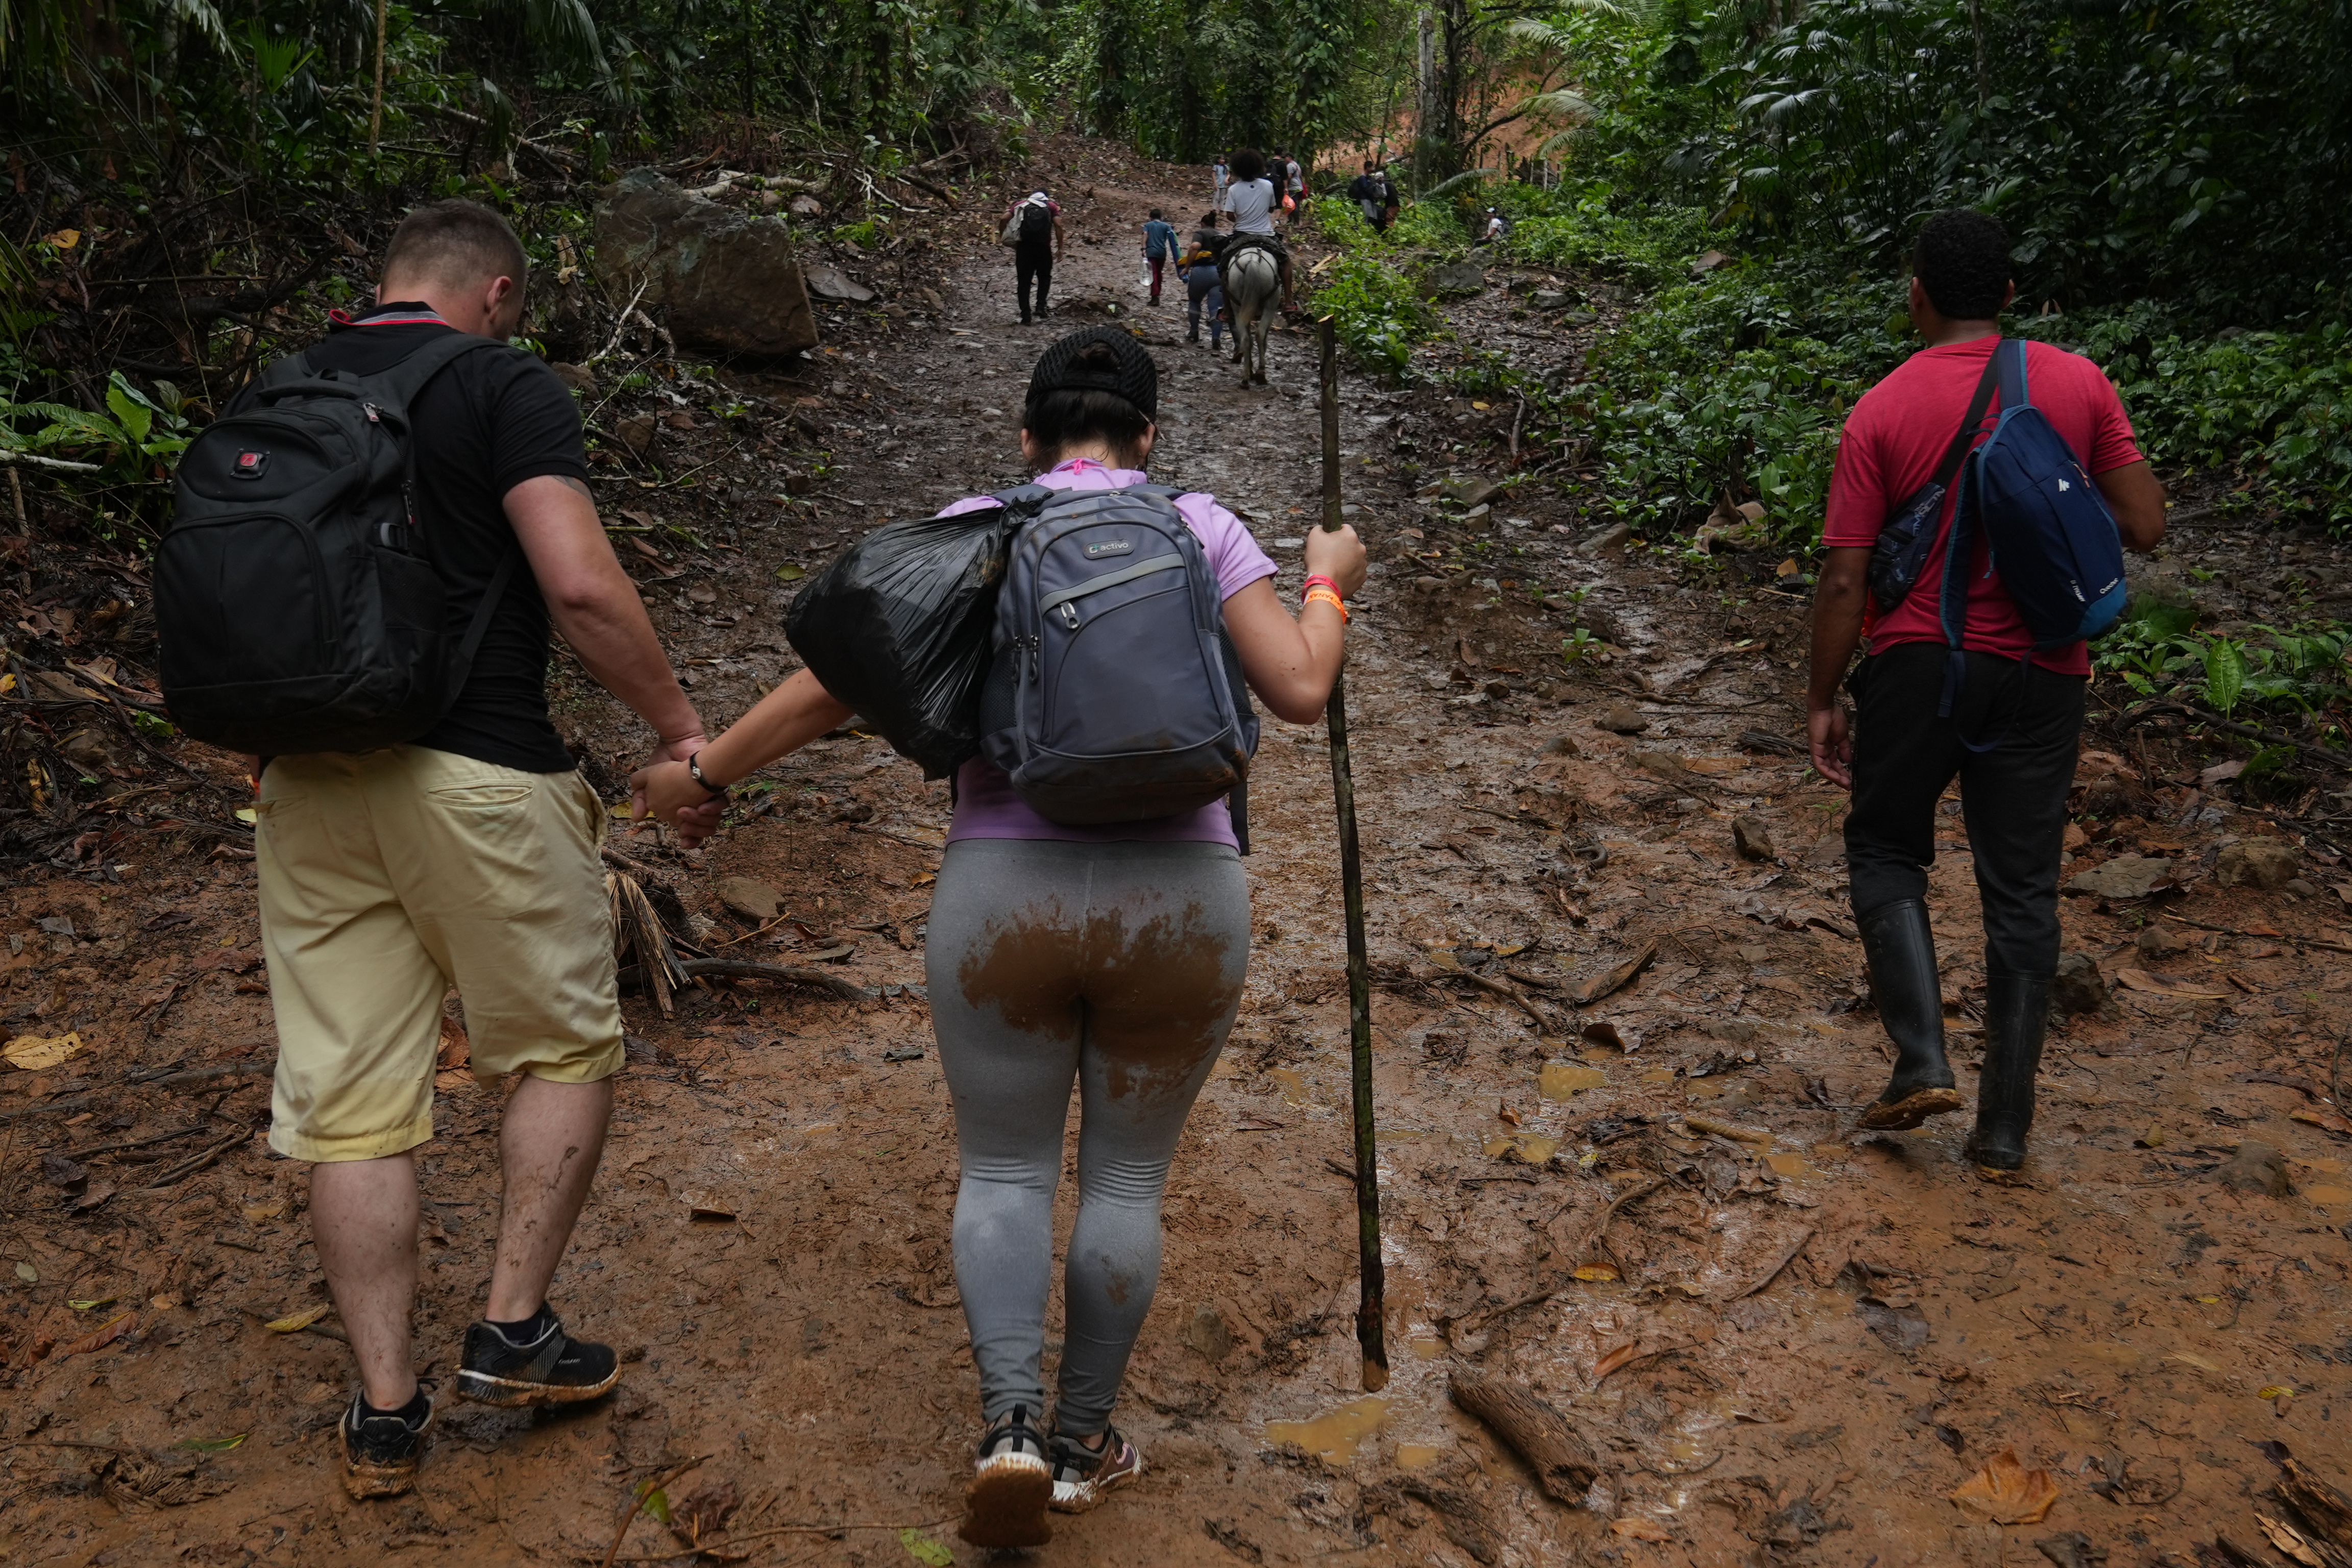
<point x="480" y="625"/>
<point x="1028" y="499"/>
<point x="292" y="368"/>
<point x="1965" y="438"/>
<point x="2009" y="354"/>
<point x="405" y="380"/>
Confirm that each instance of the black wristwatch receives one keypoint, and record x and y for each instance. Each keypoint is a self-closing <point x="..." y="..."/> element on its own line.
<point x="694" y="772"/>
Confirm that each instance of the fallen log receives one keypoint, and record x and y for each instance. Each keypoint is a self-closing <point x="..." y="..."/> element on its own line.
<point x="743" y="969"/>
<point x="1563" y="1462"/>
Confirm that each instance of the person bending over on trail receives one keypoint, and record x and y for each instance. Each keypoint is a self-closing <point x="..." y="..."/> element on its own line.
<point x="1159" y="244"/>
<point x="467" y="857"/>
<point x="2010" y="735"/>
<point x="1251" y="201"/>
<point x="1111" y="956"/>
<point x="1364" y="190"/>
<point x="1196" y="269"/>
<point x="1039" y="244"/>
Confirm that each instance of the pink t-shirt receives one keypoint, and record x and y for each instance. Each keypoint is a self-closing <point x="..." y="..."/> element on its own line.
<point x="1895" y="436"/>
<point x="986" y="806"/>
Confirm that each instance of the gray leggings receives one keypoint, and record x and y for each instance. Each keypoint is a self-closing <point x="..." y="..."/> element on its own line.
<point x="1119" y="965"/>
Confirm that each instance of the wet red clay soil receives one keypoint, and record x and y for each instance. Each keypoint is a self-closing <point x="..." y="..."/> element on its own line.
<point x="1787" y="1342"/>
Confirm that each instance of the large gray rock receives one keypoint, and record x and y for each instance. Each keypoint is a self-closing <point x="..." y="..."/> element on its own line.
<point x="2257" y="863"/>
<point x="1457" y="277"/>
<point x="728" y="282"/>
<point x="2124" y="877"/>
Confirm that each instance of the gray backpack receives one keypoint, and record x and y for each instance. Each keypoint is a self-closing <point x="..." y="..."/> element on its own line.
<point x="1114" y="693"/>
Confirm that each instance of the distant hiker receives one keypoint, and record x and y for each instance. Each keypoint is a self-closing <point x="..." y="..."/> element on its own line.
<point x="1159" y="244"/>
<point x="1219" y="173"/>
<point x="469" y="856"/>
<point x="1293" y="185"/>
<point x="1111" y="956"/>
<point x="1364" y="190"/>
<point x="1198" y="269"/>
<point x="1996" y="712"/>
<point x="1033" y="226"/>
<point x="1251" y="201"/>
<point x="1496" y="227"/>
<point x="1390" y="202"/>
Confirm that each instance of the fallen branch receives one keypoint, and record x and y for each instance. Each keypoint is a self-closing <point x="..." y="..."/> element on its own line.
<point x="197" y="1162"/>
<point x="2263" y="936"/>
<point x="1563" y="1462"/>
<point x="744" y="969"/>
<point x="1541" y="1023"/>
<point x="195" y="1074"/>
<point x="2251" y="732"/>
<point x="1804" y="1238"/>
<point x="568" y="163"/>
<point x="27" y="459"/>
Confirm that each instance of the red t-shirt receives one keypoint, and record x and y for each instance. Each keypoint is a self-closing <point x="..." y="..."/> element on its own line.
<point x="1895" y="436"/>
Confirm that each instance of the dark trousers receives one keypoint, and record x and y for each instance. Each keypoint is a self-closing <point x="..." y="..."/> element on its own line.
<point x="2012" y="797"/>
<point x="1157" y="263"/>
<point x="1033" y="261"/>
<point x="1201" y="288"/>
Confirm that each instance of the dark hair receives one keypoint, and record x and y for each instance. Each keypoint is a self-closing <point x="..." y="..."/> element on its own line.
<point x="1155" y="212"/>
<point x="1209" y="220"/>
<point x="1248" y="165"/>
<point x="1057" y="421"/>
<point x="1962" y="261"/>
<point x="454" y="243"/>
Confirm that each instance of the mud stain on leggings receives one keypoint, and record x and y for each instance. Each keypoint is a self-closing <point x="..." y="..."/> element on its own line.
<point x="1151" y="989"/>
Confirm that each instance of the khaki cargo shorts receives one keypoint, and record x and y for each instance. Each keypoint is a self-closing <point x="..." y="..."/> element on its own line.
<point x="387" y="877"/>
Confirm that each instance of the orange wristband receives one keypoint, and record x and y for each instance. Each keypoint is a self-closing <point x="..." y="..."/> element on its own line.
<point x="1321" y="594"/>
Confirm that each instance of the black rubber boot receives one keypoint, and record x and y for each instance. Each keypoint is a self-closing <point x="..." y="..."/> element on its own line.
<point x="2016" y="1009"/>
<point x="1901" y="951"/>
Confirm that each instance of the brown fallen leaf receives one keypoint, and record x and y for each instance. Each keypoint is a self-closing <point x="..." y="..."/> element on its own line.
<point x="2007" y="1492"/>
<point x="36" y="1053"/>
<point x="2326" y="1120"/>
<point x="2165" y="986"/>
<point x="1615" y="1359"/>
<point x="1587" y="992"/>
<point x="456" y="1049"/>
<point x="106" y="1334"/>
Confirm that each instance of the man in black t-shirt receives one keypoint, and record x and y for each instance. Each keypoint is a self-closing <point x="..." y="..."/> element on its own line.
<point x="468" y="856"/>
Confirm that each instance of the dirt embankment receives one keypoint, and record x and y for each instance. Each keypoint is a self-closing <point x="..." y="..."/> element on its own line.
<point x="1785" y="1342"/>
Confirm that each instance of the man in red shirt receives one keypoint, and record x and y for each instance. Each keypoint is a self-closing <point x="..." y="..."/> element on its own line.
<point x="2010" y="736"/>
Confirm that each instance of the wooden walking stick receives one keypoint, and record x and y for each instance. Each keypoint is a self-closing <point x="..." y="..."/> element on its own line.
<point x="1371" y="1306"/>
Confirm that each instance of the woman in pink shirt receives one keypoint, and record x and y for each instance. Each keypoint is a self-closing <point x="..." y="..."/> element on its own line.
<point x="1111" y="956"/>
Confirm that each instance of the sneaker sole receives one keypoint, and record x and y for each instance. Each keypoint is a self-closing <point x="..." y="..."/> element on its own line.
<point x="1005" y="1506"/>
<point x="365" y="1479"/>
<point x="1910" y="1110"/>
<point x="512" y="1394"/>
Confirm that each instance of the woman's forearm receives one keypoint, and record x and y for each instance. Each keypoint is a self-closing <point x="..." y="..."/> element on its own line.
<point x="781" y="722"/>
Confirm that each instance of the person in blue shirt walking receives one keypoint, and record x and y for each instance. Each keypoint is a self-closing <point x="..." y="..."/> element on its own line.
<point x="1159" y="244"/>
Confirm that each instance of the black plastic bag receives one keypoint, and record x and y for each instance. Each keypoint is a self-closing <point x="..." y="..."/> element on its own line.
<point x="899" y="627"/>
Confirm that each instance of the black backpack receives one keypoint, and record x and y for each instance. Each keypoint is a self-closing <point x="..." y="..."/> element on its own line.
<point x="296" y="599"/>
<point x="1037" y="225"/>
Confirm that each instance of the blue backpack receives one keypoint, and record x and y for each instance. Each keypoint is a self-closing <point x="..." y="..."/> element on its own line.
<point x="1114" y="693"/>
<point x="2047" y="529"/>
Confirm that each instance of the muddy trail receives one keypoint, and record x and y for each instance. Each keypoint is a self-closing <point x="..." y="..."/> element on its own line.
<point x="1622" y="1036"/>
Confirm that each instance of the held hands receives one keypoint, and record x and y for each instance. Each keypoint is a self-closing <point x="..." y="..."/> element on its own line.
<point x="1339" y="555"/>
<point x="666" y="792"/>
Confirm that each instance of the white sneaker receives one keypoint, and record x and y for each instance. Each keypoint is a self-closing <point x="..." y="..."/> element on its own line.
<point x="1082" y="1475"/>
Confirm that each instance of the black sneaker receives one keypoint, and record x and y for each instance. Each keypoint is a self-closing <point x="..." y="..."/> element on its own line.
<point x="1011" y="1485"/>
<point x="382" y="1447"/>
<point x="1082" y="1475"/>
<point x="552" y="1368"/>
